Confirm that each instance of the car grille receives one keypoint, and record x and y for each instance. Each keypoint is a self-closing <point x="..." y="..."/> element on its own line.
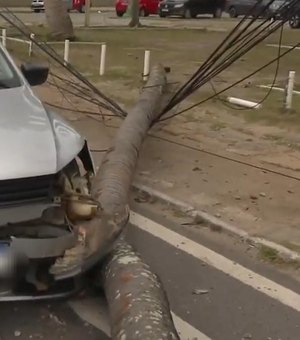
<point x="16" y="191"/>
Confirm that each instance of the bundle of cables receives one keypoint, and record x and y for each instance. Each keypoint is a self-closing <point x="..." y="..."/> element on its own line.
<point x="82" y="87"/>
<point x="241" y="39"/>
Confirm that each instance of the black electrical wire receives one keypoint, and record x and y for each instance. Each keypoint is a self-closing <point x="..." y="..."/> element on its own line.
<point x="270" y="89"/>
<point x="242" y="43"/>
<point x="60" y="107"/>
<point x="232" y="85"/>
<point x="13" y="20"/>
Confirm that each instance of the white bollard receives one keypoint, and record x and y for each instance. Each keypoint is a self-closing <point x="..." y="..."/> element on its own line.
<point x="4" y="37"/>
<point x="31" y="45"/>
<point x="67" y="51"/>
<point x="289" y="90"/>
<point x="102" y="59"/>
<point x="146" y="65"/>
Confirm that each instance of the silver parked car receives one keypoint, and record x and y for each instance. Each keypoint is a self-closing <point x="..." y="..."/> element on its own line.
<point x="44" y="162"/>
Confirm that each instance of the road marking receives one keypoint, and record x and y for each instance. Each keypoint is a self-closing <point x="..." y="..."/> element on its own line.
<point x="235" y="270"/>
<point x="186" y="331"/>
<point x="93" y="310"/>
<point x="283" y="46"/>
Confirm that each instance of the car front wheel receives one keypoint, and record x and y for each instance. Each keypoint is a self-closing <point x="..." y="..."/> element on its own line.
<point x="232" y="12"/>
<point x="187" y="14"/>
<point x="37" y="11"/>
<point x="294" y="22"/>
<point x="143" y="12"/>
<point x="218" y="13"/>
<point x="120" y="14"/>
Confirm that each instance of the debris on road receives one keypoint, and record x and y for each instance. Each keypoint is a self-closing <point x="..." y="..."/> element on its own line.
<point x="200" y="291"/>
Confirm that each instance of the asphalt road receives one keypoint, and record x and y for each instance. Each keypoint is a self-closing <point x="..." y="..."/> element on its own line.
<point x="217" y="288"/>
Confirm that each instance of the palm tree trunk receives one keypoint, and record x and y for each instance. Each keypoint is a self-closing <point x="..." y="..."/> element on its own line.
<point x="135" y="14"/>
<point x="58" y="19"/>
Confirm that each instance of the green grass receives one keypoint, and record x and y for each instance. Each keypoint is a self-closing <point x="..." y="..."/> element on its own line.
<point x="182" y="50"/>
<point x="271" y="255"/>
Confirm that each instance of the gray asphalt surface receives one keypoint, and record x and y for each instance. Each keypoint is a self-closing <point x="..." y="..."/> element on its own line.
<point x="44" y="320"/>
<point x="229" y="310"/>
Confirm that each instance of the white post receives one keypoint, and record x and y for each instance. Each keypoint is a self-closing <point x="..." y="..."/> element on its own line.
<point x="146" y="65"/>
<point x="102" y="59"/>
<point x="87" y="13"/>
<point x="4" y="37"/>
<point x="31" y="45"/>
<point x="67" y="51"/>
<point x="289" y="90"/>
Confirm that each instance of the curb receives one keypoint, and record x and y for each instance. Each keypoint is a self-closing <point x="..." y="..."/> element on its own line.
<point x="230" y="229"/>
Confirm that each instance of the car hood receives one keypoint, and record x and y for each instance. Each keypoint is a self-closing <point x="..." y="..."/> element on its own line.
<point x="32" y="141"/>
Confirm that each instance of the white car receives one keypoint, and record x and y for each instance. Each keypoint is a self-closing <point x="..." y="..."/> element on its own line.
<point x="43" y="160"/>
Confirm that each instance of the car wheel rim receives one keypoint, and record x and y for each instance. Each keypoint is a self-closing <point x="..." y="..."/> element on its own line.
<point x="294" y="22"/>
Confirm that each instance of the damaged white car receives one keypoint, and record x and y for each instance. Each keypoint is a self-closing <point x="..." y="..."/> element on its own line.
<point x="44" y="162"/>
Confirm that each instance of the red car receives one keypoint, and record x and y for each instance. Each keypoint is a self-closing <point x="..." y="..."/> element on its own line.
<point x="146" y="7"/>
<point x="78" y="5"/>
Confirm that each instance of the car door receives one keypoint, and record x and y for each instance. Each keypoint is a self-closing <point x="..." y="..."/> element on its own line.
<point x="247" y="7"/>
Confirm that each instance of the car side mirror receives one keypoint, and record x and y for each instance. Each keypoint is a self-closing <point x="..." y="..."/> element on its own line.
<point x="35" y="74"/>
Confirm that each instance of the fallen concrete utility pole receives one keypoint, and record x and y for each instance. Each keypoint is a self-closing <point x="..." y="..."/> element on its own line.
<point x="138" y="306"/>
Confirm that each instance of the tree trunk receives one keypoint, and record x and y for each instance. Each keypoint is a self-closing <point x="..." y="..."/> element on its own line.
<point x="135" y="14"/>
<point x="137" y="303"/>
<point x="58" y="20"/>
<point x="111" y="185"/>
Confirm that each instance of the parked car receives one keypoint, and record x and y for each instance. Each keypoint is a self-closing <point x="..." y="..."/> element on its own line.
<point x="37" y="5"/>
<point x="243" y="7"/>
<point x="294" y="21"/>
<point x="77" y="5"/>
<point x="42" y="158"/>
<point x="147" y="7"/>
<point x="191" y="8"/>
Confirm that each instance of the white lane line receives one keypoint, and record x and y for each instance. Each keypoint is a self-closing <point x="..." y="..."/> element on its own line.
<point x="235" y="270"/>
<point x="283" y="46"/>
<point x="93" y="310"/>
<point x="186" y="331"/>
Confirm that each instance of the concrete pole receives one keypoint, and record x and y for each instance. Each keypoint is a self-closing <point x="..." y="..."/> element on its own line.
<point x="289" y="90"/>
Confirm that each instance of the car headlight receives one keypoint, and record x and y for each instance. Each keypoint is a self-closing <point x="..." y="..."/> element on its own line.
<point x="178" y="5"/>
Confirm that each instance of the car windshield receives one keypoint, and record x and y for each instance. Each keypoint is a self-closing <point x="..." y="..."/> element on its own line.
<point x="8" y="76"/>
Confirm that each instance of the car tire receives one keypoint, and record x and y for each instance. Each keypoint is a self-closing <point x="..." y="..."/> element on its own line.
<point x="162" y="15"/>
<point x="218" y="13"/>
<point x="81" y="9"/>
<point x="36" y="10"/>
<point x="187" y="14"/>
<point x="294" y="22"/>
<point x="120" y="14"/>
<point x="232" y="12"/>
<point x="143" y="12"/>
